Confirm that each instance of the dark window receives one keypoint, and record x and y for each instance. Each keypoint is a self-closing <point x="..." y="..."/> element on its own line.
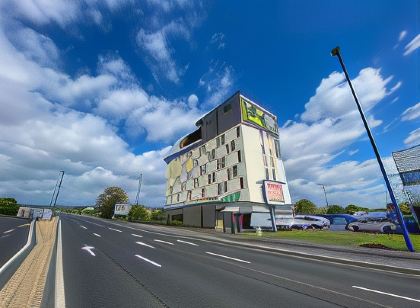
<point x="183" y="186"/>
<point x="238" y="132"/>
<point x="195" y="162"/>
<point x="177" y="217"/>
<point x="219" y="188"/>
<point x="202" y="169"/>
<point x="227" y="148"/>
<point x="191" y="138"/>
<point x="213" y="154"/>
<point x="229" y="174"/>
<point x="221" y="163"/>
<point x="214" y="177"/>
<point x="209" y="178"/>
<point x="235" y="171"/>
<point x="217" y="141"/>
<point x="241" y="182"/>
<point x="225" y="186"/>
<point x="232" y="145"/>
<point x="227" y="108"/>
<point x="265" y="160"/>
<point x="203" y="193"/>
<point x="274" y="174"/>
<point x="189" y="195"/>
<point x="277" y="146"/>
<point x="222" y="139"/>
<point x="272" y="161"/>
<point x="177" y="198"/>
<point x="267" y="175"/>
<point x="196" y="184"/>
<point x="239" y="157"/>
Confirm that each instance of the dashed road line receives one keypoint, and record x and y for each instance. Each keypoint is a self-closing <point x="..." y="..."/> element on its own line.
<point x="226" y="257"/>
<point x="389" y="294"/>
<point x="164" y="242"/>
<point x="147" y="260"/>
<point x="8" y="231"/>
<point x="136" y="235"/>
<point x="185" y="242"/>
<point x="96" y="234"/>
<point x="114" y="229"/>
<point x="144" y="244"/>
<point x="83" y="227"/>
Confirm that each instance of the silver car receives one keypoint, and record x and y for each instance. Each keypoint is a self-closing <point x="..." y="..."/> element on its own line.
<point x="382" y="225"/>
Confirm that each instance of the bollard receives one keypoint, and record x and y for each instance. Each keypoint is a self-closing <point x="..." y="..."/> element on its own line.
<point x="259" y="231"/>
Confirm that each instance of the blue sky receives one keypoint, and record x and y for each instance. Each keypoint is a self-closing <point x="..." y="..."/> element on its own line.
<point x="101" y="89"/>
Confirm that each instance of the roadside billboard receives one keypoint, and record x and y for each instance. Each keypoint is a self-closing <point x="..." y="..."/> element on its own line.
<point x="122" y="209"/>
<point x="273" y="192"/>
<point x="255" y="115"/>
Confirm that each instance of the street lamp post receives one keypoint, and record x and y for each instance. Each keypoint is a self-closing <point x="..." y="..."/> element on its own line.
<point x="325" y="193"/>
<point x="336" y="52"/>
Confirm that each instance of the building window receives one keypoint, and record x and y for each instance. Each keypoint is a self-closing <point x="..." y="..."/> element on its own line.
<point x="232" y="145"/>
<point x="267" y="175"/>
<point x="277" y="146"/>
<point x="183" y="186"/>
<point x="225" y="186"/>
<point x="229" y="174"/>
<point x="265" y="160"/>
<point x="209" y="178"/>
<point x="219" y="188"/>
<point x="217" y="141"/>
<point x="227" y="148"/>
<point x="203" y="192"/>
<point x="241" y="182"/>
<point x="272" y="161"/>
<point x="222" y="139"/>
<point x="238" y="132"/>
<point x="195" y="162"/>
<point x="274" y="174"/>
<point x="189" y="195"/>
<point x="202" y="169"/>
<point x="227" y="108"/>
<point x="239" y="157"/>
<point x="203" y="150"/>
<point x="235" y="171"/>
<point x="214" y="177"/>
<point x="171" y="189"/>
<point x="177" y="198"/>
<point x="213" y="154"/>
<point x="221" y="163"/>
<point x="196" y="184"/>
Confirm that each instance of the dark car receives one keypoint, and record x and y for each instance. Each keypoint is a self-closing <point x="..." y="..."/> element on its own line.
<point x="339" y="222"/>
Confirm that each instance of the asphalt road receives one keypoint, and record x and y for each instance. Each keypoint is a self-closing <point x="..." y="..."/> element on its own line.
<point x="111" y="264"/>
<point x="13" y="236"/>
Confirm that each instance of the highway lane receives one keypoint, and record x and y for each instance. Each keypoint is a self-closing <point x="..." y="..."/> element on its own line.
<point x="175" y="271"/>
<point x="13" y="236"/>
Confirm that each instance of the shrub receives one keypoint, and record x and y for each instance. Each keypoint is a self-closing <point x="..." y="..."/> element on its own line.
<point x="139" y="212"/>
<point x="305" y="206"/>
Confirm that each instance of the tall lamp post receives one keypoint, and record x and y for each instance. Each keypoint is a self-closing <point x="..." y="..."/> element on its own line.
<point x="336" y="52"/>
<point x="325" y="194"/>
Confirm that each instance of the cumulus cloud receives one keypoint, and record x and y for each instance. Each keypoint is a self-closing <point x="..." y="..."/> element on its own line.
<point x="411" y="113"/>
<point x="412" y="45"/>
<point x="413" y="138"/>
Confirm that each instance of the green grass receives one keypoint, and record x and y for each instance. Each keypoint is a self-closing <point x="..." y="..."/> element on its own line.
<point x="342" y="238"/>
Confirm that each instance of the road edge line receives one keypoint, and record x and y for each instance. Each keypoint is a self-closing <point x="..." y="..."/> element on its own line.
<point x="59" y="294"/>
<point x="9" y="268"/>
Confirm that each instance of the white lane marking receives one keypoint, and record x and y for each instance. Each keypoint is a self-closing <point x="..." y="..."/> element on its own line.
<point x="144" y="244"/>
<point x="89" y="249"/>
<point x="83" y="227"/>
<point x="60" y="297"/>
<point x="8" y="231"/>
<point x="114" y="229"/>
<point x="389" y="294"/>
<point x="185" y="242"/>
<point x="147" y="260"/>
<point x="226" y="257"/>
<point x="96" y="234"/>
<point x="24" y="225"/>
<point x="160" y="241"/>
<point x="136" y="235"/>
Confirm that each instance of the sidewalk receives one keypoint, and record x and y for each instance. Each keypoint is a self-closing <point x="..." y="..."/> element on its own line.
<point x="399" y="261"/>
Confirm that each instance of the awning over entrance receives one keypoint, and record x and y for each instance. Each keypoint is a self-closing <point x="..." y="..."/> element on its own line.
<point x="245" y="209"/>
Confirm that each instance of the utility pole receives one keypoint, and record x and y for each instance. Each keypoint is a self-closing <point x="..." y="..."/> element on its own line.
<point x="336" y="52"/>
<point x="138" y="189"/>
<point x="325" y="194"/>
<point x="59" y="186"/>
<point x="53" y="195"/>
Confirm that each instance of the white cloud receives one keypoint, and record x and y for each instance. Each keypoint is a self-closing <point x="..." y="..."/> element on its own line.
<point x="411" y="113"/>
<point x="218" y="39"/>
<point x="413" y="138"/>
<point x="192" y="101"/>
<point x="412" y="46"/>
<point x="402" y="35"/>
<point x="218" y="83"/>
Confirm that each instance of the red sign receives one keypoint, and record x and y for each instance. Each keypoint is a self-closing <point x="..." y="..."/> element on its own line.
<point x="273" y="192"/>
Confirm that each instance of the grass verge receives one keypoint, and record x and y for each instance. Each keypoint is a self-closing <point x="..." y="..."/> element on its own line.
<point x="342" y="238"/>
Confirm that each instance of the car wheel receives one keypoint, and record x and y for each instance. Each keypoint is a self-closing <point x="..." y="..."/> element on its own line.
<point x="355" y="228"/>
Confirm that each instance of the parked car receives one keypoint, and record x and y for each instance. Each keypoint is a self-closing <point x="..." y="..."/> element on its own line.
<point x="378" y="225"/>
<point x="339" y="222"/>
<point x="316" y="222"/>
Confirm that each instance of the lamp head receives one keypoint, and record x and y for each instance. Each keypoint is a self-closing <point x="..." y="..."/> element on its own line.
<point x="335" y="51"/>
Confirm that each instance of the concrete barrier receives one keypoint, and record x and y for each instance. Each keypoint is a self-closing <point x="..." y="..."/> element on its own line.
<point x="9" y="268"/>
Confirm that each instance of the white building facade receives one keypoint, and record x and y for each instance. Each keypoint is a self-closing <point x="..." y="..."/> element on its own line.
<point x="227" y="169"/>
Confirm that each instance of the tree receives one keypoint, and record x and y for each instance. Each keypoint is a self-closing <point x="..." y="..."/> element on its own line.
<point x="335" y="209"/>
<point x="107" y="200"/>
<point x="8" y="206"/>
<point x="305" y="206"/>
<point x="321" y="210"/>
<point x="139" y="212"/>
<point x="158" y="215"/>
